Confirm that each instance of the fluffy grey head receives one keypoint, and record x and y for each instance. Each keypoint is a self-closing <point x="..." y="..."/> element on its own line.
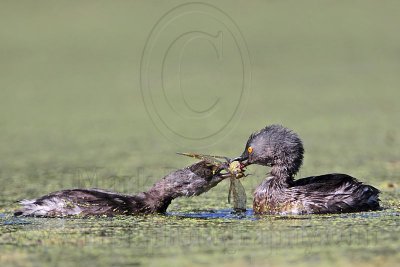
<point x="277" y="147"/>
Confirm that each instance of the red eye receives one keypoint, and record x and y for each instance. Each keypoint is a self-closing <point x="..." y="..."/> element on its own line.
<point x="249" y="149"/>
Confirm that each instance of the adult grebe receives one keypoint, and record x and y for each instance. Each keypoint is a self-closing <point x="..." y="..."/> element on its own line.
<point x="280" y="148"/>
<point x="190" y="181"/>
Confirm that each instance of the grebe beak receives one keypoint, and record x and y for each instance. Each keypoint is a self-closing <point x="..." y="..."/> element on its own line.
<point x="241" y="159"/>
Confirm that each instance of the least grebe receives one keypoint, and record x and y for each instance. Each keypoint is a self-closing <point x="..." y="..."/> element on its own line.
<point x="190" y="181"/>
<point x="282" y="150"/>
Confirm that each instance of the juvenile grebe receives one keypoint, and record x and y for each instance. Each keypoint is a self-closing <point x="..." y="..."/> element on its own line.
<point x="280" y="148"/>
<point x="190" y="181"/>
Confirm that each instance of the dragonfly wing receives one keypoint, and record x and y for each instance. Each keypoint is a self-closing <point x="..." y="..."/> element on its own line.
<point x="207" y="158"/>
<point x="239" y="195"/>
<point x="230" y="190"/>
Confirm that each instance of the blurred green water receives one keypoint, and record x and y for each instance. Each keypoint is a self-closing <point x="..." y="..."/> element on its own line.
<point x="72" y="115"/>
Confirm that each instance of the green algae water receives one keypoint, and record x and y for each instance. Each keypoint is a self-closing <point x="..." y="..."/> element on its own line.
<point x="72" y="115"/>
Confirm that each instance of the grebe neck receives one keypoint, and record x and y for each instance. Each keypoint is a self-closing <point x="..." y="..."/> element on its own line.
<point x="282" y="175"/>
<point x="160" y="196"/>
<point x="191" y="181"/>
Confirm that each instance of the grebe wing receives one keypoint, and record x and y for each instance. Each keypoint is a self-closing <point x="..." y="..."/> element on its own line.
<point x="335" y="193"/>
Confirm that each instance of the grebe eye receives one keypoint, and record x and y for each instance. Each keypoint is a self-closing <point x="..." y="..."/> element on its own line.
<point x="249" y="149"/>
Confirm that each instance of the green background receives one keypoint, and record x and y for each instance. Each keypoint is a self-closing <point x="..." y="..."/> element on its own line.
<point x="72" y="115"/>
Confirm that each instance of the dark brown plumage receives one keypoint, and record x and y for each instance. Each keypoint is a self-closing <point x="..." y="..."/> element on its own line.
<point x="193" y="180"/>
<point x="282" y="150"/>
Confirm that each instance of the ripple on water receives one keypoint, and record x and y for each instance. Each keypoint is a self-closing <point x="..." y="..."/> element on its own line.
<point x="228" y="214"/>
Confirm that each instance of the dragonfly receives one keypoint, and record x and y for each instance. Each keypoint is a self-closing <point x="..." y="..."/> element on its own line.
<point x="234" y="171"/>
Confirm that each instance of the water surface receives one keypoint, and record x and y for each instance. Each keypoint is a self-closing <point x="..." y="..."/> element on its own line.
<point x="72" y="116"/>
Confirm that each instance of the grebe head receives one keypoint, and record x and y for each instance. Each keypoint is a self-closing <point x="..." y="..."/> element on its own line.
<point x="274" y="146"/>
